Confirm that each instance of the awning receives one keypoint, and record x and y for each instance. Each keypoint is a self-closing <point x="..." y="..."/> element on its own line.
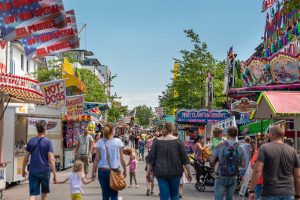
<point x="21" y="88"/>
<point x="277" y="104"/>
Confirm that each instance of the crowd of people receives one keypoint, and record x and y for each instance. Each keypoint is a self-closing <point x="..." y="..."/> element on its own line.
<point x="276" y="166"/>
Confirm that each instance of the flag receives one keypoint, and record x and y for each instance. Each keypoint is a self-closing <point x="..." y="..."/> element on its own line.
<point x="67" y="67"/>
<point x="267" y="4"/>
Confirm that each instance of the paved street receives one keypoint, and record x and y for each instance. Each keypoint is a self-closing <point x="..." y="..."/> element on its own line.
<point x="93" y="191"/>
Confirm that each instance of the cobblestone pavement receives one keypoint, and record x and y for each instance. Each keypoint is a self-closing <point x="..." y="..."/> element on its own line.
<point x="93" y="190"/>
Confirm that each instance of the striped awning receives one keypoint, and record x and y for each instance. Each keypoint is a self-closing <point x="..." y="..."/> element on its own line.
<point x="21" y="88"/>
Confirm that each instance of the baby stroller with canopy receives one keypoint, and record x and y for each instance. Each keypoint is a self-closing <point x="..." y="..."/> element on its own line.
<point x="204" y="175"/>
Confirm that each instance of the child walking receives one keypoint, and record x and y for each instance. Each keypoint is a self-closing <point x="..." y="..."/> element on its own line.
<point x="76" y="179"/>
<point x="150" y="183"/>
<point x="132" y="170"/>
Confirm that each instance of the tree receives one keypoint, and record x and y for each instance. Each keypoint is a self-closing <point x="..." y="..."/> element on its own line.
<point x="189" y="89"/>
<point x="115" y="113"/>
<point x="143" y="114"/>
<point x="95" y="92"/>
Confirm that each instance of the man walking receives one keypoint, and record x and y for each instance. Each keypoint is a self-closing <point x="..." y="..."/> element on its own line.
<point x="84" y="146"/>
<point x="280" y="167"/>
<point x="40" y="151"/>
<point x="230" y="156"/>
<point x="248" y="153"/>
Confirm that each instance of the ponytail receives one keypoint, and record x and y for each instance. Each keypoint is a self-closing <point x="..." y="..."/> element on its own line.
<point x="169" y="128"/>
<point x="108" y="131"/>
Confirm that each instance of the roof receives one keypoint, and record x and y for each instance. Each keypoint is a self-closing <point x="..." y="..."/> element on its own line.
<point x="281" y="103"/>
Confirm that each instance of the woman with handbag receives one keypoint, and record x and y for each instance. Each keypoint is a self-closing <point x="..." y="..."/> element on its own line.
<point x="167" y="158"/>
<point x="108" y="160"/>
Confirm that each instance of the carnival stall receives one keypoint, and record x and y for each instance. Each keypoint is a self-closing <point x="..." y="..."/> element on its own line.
<point x="191" y="123"/>
<point x="285" y="106"/>
<point x="17" y="96"/>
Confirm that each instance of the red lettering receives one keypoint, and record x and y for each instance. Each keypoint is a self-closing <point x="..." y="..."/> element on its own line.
<point x="6" y="6"/>
<point x="21" y="32"/>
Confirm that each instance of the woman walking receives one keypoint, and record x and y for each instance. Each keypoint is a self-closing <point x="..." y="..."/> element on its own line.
<point x="109" y="155"/>
<point x="167" y="158"/>
<point x="199" y="147"/>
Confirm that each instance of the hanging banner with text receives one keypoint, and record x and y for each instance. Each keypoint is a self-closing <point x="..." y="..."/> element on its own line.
<point x="54" y="93"/>
<point x="53" y="42"/>
<point x="22" y="19"/>
<point x="74" y="107"/>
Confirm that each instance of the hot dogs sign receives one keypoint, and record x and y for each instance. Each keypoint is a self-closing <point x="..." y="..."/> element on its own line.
<point x="54" y="93"/>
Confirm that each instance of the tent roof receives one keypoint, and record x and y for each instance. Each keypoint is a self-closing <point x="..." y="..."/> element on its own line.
<point x="281" y="103"/>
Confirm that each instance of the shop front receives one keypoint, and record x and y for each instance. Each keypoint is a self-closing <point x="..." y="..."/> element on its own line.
<point x="18" y="95"/>
<point x="284" y="107"/>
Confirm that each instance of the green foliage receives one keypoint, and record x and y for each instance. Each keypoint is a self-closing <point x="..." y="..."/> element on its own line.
<point x="95" y="92"/>
<point x="114" y="114"/>
<point x="42" y="74"/>
<point x="190" y="84"/>
<point x="291" y="5"/>
<point x="143" y="114"/>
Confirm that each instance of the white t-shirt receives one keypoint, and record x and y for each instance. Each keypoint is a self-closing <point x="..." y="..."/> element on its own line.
<point x="113" y="146"/>
<point x="76" y="182"/>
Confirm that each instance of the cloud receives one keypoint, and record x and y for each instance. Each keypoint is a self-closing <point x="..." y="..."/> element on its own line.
<point x="133" y="99"/>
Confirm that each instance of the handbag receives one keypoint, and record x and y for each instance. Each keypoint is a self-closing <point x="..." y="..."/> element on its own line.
<point x="116" y="179"/>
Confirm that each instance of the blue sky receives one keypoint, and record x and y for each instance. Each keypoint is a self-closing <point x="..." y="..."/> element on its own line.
<point x="138" y="39"/>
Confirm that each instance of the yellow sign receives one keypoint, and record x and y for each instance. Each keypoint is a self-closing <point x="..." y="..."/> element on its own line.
<point x="73" y="81"/>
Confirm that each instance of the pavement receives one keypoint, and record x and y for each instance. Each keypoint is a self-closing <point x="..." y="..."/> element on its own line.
<point x="93" y="190"/>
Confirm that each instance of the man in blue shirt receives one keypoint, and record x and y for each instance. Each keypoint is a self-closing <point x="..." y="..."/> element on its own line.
<point x="40" y="151"/>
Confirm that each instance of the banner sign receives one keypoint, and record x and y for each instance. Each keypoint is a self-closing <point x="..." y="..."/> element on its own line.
<point x="244" y="106"/>
<point x="224" y="124"/>
<point x="159" y="111"/>
<point x="54" y="42"/>
<point x="54" y="93"/>
<point x="202" y="116"/>
<point x="26" y="18"/>
<point x="74" y="107"/>
<point x="50" y="124"/>
<point x="246" y="180"/>
<point x="3" y="49"/>
<point x="18" y="82"/>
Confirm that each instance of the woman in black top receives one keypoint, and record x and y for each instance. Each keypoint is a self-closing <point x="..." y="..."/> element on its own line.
<point x="167" y="158"/>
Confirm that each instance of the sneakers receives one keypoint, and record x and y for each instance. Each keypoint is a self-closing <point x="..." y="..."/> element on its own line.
<point x="152" y="193"/>
<point x="136" y="186"/>
<point x="147" y="193"/>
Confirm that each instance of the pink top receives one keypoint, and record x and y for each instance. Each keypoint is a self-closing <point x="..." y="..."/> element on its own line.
<point x="149" y="144"/>
<point x="132" y="166"/>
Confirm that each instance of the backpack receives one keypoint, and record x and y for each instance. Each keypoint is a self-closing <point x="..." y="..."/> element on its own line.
<point x="229" y="163"/>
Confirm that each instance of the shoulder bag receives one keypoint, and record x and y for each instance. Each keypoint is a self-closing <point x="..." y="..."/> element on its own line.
<point x="116" y="179"/>
<point x="32" y="150"/>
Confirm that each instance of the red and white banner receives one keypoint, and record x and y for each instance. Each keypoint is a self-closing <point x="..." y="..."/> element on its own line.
<point x="54" y="93"/>
<point x="267" y="4"/>
<point x="74" y="107"/>
<point x="26" y="18"/>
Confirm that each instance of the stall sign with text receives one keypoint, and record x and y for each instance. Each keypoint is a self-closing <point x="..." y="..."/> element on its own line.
<point x="54" y="93"/>
<point x="202" y="116"/>
<point x="74" y="107"/>
<point x="53" y="42"/>
<point x="26" y="18"/>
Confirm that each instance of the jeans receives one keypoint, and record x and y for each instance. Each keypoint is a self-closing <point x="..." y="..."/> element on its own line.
<point x="286" y="197"/>
<point x="107" y="192"/>
<point x="258" y="190"/>
<point x="169" y="188"/>
<point x="38" y="182"/>
<point x="225" y="186"/>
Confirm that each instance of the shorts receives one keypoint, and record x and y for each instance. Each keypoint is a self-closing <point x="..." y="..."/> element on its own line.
<point x="39" y="183"/>
<point x="77" y="196"/>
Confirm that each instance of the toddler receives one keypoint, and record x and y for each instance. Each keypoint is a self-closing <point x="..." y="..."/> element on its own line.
<point x="76" y="179"/>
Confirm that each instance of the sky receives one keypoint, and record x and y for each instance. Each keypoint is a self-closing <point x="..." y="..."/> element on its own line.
<point x="138" y="39"/>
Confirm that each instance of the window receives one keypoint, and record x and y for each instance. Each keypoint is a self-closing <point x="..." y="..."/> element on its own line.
<point x="22" y="62"/>
<point x="27" y="66"/>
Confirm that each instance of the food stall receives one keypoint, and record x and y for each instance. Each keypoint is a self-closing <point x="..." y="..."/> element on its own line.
<point x="17" y="95"/>
<point x="278" y="105"/>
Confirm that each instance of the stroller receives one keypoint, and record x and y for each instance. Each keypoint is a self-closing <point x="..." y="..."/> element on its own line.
<point x="204" y="175"/>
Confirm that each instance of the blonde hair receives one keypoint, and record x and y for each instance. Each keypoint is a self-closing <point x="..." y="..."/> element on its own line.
<point x="108" y="131"/>
<point x="168" y="129"/>
<point x="78" y="166"/>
